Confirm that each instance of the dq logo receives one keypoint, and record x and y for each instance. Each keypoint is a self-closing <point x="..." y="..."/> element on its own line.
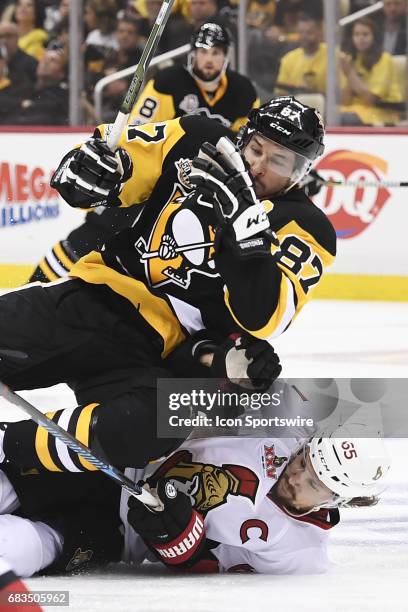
<point x="353" y="208"/>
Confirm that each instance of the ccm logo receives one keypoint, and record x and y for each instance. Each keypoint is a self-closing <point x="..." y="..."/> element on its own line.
<point x="348" y="450"/>
<point x="187" y="543"/>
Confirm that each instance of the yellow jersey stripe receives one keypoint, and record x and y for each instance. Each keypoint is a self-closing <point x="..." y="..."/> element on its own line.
<point x="155" y="310"/>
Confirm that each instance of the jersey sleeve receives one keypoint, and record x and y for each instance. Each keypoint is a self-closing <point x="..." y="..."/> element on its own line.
<point x="240" y="121"/>
<point x="153" y="105"/>
<point x="265" y="294"/>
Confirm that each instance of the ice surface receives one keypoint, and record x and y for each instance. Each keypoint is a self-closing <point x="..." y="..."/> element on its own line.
<point x="369" y="549"/>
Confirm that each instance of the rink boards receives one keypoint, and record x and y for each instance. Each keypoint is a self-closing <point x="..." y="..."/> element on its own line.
<point x="370" y="222"/>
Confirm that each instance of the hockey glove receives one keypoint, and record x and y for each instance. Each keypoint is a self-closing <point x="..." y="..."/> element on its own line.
<point x="221" y="174"/>
<point x="177" y="533"/>
<point x="94" y="171"/>
<point x="247" y="362"/>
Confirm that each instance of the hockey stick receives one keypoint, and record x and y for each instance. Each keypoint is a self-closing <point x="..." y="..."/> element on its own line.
<point x="58" y="432"/>
<point x="362" y="183"/>
<point x="139" y="75"/>
<point x="182" y="249"/>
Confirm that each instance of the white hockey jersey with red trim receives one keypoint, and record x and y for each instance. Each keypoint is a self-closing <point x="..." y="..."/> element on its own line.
<point x="228" y="480"/>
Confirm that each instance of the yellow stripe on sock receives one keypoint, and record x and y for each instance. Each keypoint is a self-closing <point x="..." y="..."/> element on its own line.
<point x="45" y="269"/>
<point x="82" y="432"/>
<point x="62" y="256"/>
<point x="41" y="447"/>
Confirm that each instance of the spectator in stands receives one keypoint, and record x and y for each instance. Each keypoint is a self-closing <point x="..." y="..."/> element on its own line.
<point x="288" y="13"/>
<point x="395" y="26"/>
<point x="304" y="69"/>
<point x="370" y="94"/>
<point x="59" y="37"/>
<point x="180" y="28"/>
<point x="49" y="103"/>
<point x="260" y="13"/>
<point x="56" y="15"/>
<point x="130" y="46"/>
<point x="101" y="43"/>
<point x="21" y="67"/>
<point x="29" y="16"/>
<point x="100" y="19"/>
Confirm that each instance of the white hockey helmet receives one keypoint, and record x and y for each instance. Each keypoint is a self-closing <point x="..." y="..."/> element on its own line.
<point x="348" y="463"/>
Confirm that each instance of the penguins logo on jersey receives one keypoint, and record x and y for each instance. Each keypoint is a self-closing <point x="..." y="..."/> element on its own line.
<point x="207" y="485"/>
<point x="179" y="245"/>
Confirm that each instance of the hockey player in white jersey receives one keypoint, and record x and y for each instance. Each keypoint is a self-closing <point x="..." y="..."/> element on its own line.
<point x="234" y="504"/>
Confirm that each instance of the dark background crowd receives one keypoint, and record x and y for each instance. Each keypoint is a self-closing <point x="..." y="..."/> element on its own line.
<point x="286" y="53"/>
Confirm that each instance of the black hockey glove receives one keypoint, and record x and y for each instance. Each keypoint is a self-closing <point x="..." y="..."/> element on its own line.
<point x="312" y="183"/>
<point x="176" y="534"/>
<point x="247" y="362"/>
<point x="94" y="171"/>
<point x="221" y="175"/>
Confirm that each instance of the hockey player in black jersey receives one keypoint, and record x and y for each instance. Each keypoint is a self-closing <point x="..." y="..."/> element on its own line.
<point x="216" y="257"/>
<point x="207" y="87"/>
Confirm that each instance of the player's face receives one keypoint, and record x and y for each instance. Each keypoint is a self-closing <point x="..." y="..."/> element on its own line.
<point x="298" y="487"/>
<point x="209" y="62"/>
<point x="363" y="37"/>
<point x="271" y="165"/>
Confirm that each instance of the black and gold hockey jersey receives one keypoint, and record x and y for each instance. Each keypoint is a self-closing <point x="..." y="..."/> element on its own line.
<point x="190" y="286"/>
<point x="174" y="92"/>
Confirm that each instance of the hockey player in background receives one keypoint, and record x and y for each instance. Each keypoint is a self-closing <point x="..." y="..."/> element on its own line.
<point x="205" y="87"/>
<point x="240" y="253"/>
<point x="263" y="505"/>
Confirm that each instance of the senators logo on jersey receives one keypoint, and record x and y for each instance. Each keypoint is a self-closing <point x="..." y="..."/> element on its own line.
<point x="208" y="485"/>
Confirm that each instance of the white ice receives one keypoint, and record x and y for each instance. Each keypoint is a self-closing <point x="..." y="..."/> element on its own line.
<point x="369" y="549"/>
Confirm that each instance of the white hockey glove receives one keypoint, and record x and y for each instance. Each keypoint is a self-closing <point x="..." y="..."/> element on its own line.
<point x="246" y="362"/>
<point x="221" y="173"/>
<point x="94" y="170"/>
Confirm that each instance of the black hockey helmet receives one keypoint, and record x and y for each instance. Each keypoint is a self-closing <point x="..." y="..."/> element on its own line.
<point x="289" y="123"/>
<point x="211" y="35"/>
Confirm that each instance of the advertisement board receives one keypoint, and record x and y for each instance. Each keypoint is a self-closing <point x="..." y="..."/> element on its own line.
<point x="370" y="221"/>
